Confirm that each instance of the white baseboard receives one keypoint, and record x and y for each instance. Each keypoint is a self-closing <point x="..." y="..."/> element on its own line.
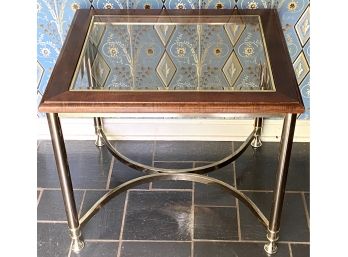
<point x="173" y="129"/>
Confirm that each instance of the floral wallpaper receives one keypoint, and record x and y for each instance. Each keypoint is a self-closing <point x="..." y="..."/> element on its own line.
<point x="54" y="18"/>
<point x="175" y="57"/>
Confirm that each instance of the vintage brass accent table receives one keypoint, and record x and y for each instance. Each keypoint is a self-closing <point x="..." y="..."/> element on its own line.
<point x="178" y="63"/>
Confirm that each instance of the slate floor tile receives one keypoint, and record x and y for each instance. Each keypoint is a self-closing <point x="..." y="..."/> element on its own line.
<point x="300" y="250"/>
<point x="158" y="215"/>
<point x="139" y="151"/>
<point x="51" y="206"/>
<point x="256" y="168"/>
<point x="222" y="249"/>
<point x="191" y="150"/>
<point x="216" y="223"/>
<point x="106" y="223"/>
<point x="97" y="249"/>
<point x="293" y="225"/>
<point x="89" y="165"/>
<point x="166" y="216"/>
<point x="156" y="249"/>
<point x="52" y="240"/>
<point x="122" y="173"/>
<point x="212" y="194"/>
<point x="307" y="201"/>
<point x="173" y="184"/>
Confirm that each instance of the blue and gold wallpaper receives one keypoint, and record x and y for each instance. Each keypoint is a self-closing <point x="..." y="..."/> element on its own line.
<point x="54" y="18"/>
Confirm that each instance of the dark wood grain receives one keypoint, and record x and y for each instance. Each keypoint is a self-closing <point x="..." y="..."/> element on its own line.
<point x="286" y="98"/>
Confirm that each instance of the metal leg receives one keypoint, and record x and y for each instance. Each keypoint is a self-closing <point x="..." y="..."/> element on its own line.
<point x="65" y="180"/>
<point x="279" y="189"/>
<point x="98" y="125"/>
<point x="258" y="127"/>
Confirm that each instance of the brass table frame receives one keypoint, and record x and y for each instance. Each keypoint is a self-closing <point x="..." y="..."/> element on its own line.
<point x="285" y="101"/>
<point x="155" y="174"/>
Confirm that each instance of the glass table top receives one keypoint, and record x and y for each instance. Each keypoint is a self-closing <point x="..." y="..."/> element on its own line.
<point x="226" y="53"/>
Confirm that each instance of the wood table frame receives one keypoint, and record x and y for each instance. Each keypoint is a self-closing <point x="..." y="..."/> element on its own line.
<point x="285" y="101"/>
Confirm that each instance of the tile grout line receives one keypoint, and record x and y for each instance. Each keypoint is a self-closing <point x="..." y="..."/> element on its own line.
<point x="271" y="191"/>
<point x="205" y="162"/>
<point x="52" y="221"/>
<point x="237" y="201"/>
<point x="162" y="189"/>
<point x="290" y="250"/>
<point x="238" y="221"/>
<point x="306" y="209"/>
<point x="193" y="215"/>
<point x="203" y="240"/>
<point x="101" y="240"/>
<point x="215" y="206"/>
<point x="70" y="248"/>
<point x="110" y="173"/>
<point x="168" y="189"/>
<point x="40" y="195"/>
<point x="153" y="159"/>
<point x="247" y="241"/>
<point x="156" y="241"/>
<point x="122" y="225"/>
<point x="82" y="202"/>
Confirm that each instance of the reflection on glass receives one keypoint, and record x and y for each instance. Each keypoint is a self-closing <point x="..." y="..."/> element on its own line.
<point x="227" y="54"/>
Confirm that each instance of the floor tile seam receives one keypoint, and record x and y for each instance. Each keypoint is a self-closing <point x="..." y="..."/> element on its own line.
<point x="215" y="206"/>
<point x="237" y="201"/>
<point x="103" y="189"/>
<point x="153" y="160"/>
<point x="234" y="170"/>
<point x="76" y="189"/>
<point x="193" y="216"/>
<point x="247" y="241"/>
<point x="110" y="173"/>
<point x="40" y="196"/>
<point x="188" y="161"/>
<point x="194" y="240"/>
<point x="270" y="191"/>
<point x="299" y="243"/>
<point x="122" y="224"/>
<point x="228" y="241"/>
<point x="101" y="240"/>
<point x="82" y="202"/>
<point x="52" y="221"/>
<point x="70" y="248"/>
<point x="154" y="189"/>
<point x="155" y="241"/>
<point x="295" y="242"/>
<point x="290" y="250"/>
<point x="161" y="190"/>
<point x="207" y="162"/>
<point x="238" y="221"/>
<point x="306" y="210"/>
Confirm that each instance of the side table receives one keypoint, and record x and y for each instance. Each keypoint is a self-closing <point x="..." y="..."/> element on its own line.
<point x="174" y="63"/>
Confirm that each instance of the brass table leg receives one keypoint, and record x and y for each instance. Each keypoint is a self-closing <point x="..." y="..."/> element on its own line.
<point x="65" y="180"/>
<point x="279" y="188"/>
<point x="256" y="143"/>
<point x="98" y="125"/>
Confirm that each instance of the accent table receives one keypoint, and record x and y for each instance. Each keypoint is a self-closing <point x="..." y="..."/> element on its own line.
<point x="173" y="63"/>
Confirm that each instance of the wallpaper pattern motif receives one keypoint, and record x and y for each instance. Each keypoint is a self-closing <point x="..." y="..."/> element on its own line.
<point x="54" y="18"/>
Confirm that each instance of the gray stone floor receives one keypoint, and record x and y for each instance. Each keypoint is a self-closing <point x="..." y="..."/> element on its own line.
<point x="172" y="219"/>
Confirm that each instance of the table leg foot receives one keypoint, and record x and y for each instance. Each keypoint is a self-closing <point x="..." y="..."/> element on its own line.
<point x="98" y="125"/>
<point x="271" y="247"/>
<point x="99" y="142"/>
<point x="256" y="143"/>
<point x="77" y="242"/>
